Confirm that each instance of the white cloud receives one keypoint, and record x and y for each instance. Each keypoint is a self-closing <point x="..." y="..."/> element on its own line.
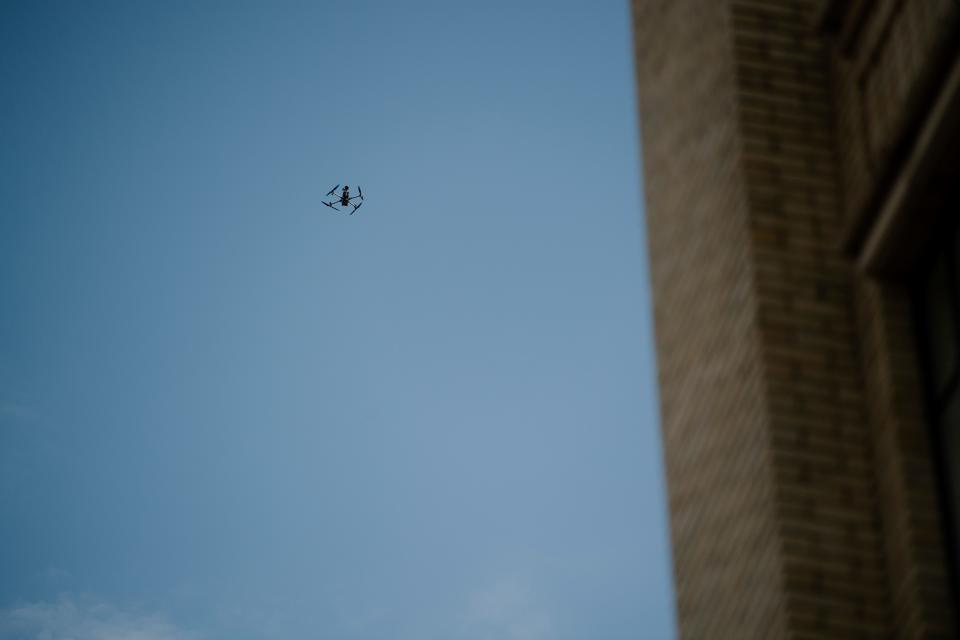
<point x="69" y="619"/>
<point x="508" y="610"/>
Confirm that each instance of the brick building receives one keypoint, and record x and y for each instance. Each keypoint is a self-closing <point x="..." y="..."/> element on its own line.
<point x="802" y="171"/>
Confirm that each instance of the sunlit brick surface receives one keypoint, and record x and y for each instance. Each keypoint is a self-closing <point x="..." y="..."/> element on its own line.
<point x="716" y="427"/>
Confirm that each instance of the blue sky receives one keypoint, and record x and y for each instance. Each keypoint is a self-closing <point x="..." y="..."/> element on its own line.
<point x="226" y="412"/>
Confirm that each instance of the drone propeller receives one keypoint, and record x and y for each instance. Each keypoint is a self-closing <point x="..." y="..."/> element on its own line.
<point x="355" y="207"/>
<point x="360" y="191"/>
<point x="330" y="193"/>
<point x="331" y="206"/>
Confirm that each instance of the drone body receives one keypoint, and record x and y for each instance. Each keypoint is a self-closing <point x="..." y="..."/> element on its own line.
<point x="344" y="199"/>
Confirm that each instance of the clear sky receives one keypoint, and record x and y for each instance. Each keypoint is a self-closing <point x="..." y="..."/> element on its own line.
<point x="227" y="412"/>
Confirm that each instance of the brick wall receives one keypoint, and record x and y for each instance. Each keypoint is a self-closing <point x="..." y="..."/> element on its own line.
<point x="717" y="449"/>
<point x="825" y="485"/>
<point x="800" y="481"/>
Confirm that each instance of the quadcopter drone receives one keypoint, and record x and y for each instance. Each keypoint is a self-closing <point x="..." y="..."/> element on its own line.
<point x="344" y="199"/>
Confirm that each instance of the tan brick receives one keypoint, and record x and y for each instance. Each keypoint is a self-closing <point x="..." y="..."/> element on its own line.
<point x="798" y="470"/>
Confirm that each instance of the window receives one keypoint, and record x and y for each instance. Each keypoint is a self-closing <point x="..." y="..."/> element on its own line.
<point x="937" y="292"/>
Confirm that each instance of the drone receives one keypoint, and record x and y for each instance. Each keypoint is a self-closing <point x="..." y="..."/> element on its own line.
<point x="344" y="199"/>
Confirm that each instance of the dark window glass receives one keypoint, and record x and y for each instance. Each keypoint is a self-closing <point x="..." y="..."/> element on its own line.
<point x="938" y="306"/>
